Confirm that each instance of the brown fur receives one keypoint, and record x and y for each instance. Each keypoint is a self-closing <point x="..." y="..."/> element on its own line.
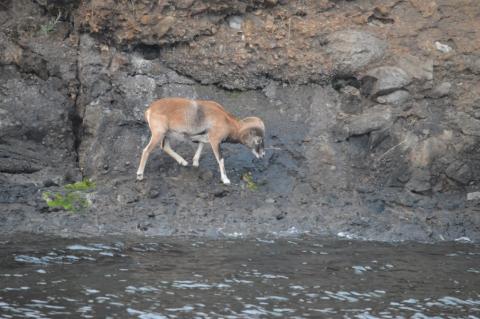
<point x="202" y="121"/>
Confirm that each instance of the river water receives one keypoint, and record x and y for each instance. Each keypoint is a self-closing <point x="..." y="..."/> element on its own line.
<point x="305" y="277"/>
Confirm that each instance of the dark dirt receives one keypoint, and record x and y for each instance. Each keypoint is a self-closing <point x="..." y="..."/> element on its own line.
<point x="371" y="107"/>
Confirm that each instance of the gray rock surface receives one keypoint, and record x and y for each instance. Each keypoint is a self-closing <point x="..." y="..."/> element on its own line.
<point x="417" y="68"/>
<point x="441" y="90"/>
<point x="72" y="102"/>
<point x="389" y="79"/>
<point x="376" y="118"/>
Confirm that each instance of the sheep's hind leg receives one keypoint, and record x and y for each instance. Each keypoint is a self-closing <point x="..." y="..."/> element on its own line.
<point x="167" y="148"/>
<point x="196" y="157"/>
<point x="154" y="140"/>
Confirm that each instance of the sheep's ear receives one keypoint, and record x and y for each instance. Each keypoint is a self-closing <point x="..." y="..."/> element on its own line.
<point x="248" y="136"/>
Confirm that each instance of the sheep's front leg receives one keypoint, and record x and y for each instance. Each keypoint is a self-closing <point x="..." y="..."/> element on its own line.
<point x="220" y="160"/>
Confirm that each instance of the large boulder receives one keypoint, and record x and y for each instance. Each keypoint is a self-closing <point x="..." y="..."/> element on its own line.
<point x="352" y="50"/>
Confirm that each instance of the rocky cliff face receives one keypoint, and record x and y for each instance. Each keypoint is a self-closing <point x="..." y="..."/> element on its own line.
<point x="372" y="111"/>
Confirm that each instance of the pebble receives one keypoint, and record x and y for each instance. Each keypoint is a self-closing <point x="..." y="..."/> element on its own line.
<point x="441" y="90"/>
<point x="235" y="22"/>
<point x="397" y="98"/>
<point x="443" y="47"/>
<point x="473" y="196"/>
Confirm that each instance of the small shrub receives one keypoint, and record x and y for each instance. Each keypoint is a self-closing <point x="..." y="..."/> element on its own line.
<point x="250" y="183"/>
<point x="50" y="25"/>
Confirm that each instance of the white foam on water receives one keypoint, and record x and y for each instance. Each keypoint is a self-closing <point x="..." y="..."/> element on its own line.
<point x="296" y="287"/>
<point x="16" y="289"/>
<point x="271" y="276"/>
<point x="84" y="257"/>
<point x="30" y="260"/>
<point x="366" y="315"/>
<point x="238" y="281"/>
<point x="69" y="299"/>
<point x="283" y="310"/>
<point x="410" y="301"/>
<point x="119" y="304"/>
<point x="222" y="286"/>
<point x="145" y="289"/>
<point x="275" y="298"/>
<point x="101" y="299"/>
<point x="265" y="241"/>
<point x="359" y="270"/>
<point x="83" y="247"/>
<point x="345" y="235"/>
<point x="419" y="315"/>
<point x="46" y="306"/>
<point x="106" y="253"/>
<point x="105" y="247"/>
<point x="454" y="301"/>
<point x="463" y="239"/>
<point x="89" y="291"/>
<point x="186" y="284"/>
<point x="473" y="270"/>
<point x="186" y="308"/>
<point x="45" y="260"/>
<point x="324" y="310"/>
<point x="255" y="310"/>
<point x="145" y="315"/>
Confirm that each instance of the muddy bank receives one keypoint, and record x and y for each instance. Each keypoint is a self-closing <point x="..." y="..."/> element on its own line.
<point x="372" y="112"/>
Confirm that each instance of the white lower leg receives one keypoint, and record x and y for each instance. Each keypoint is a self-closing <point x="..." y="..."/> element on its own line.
<point x="223" y="173"/>
<point x="141" y="167"/>
<point x="196" y="157"/>
<point x="173" y="154"/>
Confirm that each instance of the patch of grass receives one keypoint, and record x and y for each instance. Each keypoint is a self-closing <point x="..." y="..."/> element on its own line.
<point x="50" y="25"/>
<point x="84" y="185"/>
<point x="250" y="183"/>
<point x="73" y="198"/>
<point x="70" y="201"/>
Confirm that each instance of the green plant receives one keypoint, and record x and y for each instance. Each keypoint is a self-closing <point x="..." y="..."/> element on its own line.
<point x="84" y="185"/>
<point x="69" y="201"/>
<point x="73" y="198"/>
<point x="250" y="183"/>
<point x="50" y="25"/>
